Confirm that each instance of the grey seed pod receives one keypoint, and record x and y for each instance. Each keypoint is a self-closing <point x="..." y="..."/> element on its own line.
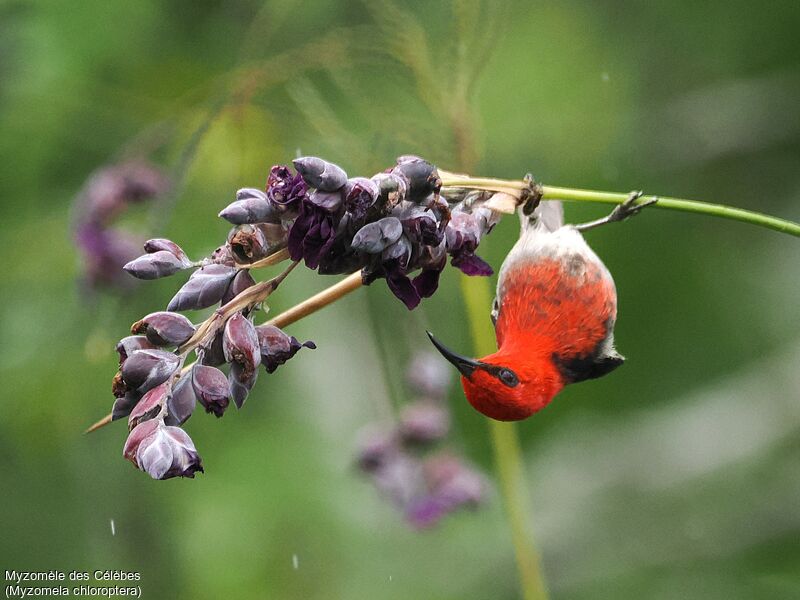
<point x="240" y="283"/>
<point x="155" y="265"/>
<point x="164" y="328"/>
<point x="211" y="388"/>
<point x="320" y="174"/>
<point x="150" y="405"/>
<point x="205" y="287"/>
<point x="180" y="405"/>
<point x="145" y="369"/>
<point x="375" y="237"/>
<point x="162" y="244"/>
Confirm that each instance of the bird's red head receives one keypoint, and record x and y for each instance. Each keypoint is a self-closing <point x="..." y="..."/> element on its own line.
<point x="508" y="385"/>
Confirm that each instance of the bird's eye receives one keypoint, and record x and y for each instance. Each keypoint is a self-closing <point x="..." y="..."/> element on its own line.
<point x="508" y="377"/>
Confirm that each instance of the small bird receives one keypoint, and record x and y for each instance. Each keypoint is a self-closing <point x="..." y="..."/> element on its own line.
<point x="554" y="316"/>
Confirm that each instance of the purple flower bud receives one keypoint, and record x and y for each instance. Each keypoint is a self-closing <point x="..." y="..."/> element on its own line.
<point x="150" y="405"/>
<point x="162" y="451"/>
<point x="420" y="226"/>
<point x="428" y="375"/>
<point x="253" y="209"/>
<point x="180" y="405"/>
<point x="124" y="405"/>
<point x="330" y="202"/>
<point x="161" y="244"/>
<point x="155" y="265"/>
<point x="164" y="328"/>
<point x="240" y="344"/>
<point x="320" y="174"/>
<point x="128" y="345"/>
<point x="276" y="347"/>
<point x="422" y="176"/>
<point x="423" y="423"/>
<point x="285" y="191"/>
<point x="359" y="195"/>
<point x="212" y="389"/>
<point x="240" y="283"/>
<point x="145" y="369"/>
<point x="375" y="237"/>
<point x="205" y="287"/>
<point x="240" y="384"/>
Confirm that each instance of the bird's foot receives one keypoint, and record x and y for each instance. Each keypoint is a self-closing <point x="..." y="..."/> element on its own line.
<point x="630" y="207"/>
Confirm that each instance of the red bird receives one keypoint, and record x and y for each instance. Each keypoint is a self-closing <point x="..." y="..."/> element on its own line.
<point x="554" y="317"/>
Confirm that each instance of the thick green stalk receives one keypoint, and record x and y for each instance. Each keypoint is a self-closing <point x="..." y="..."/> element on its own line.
<point x="508" y="458"/>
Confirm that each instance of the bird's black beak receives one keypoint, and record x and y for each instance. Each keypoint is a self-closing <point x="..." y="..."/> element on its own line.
<point x="465" y="365"/>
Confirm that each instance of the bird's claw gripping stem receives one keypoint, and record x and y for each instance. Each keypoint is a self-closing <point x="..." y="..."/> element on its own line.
<point x="621" y="212"/>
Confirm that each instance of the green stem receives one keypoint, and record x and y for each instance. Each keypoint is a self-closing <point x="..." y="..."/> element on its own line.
<point x="508" y="458"/>
<point x="691" y="206"/>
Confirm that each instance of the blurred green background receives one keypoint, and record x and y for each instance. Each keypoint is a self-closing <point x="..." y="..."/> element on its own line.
<point x="676" y="477"/>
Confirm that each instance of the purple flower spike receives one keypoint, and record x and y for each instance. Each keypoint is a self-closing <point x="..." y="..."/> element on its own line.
<point x="162" y="451"/>
<point x="277" y="347"/>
